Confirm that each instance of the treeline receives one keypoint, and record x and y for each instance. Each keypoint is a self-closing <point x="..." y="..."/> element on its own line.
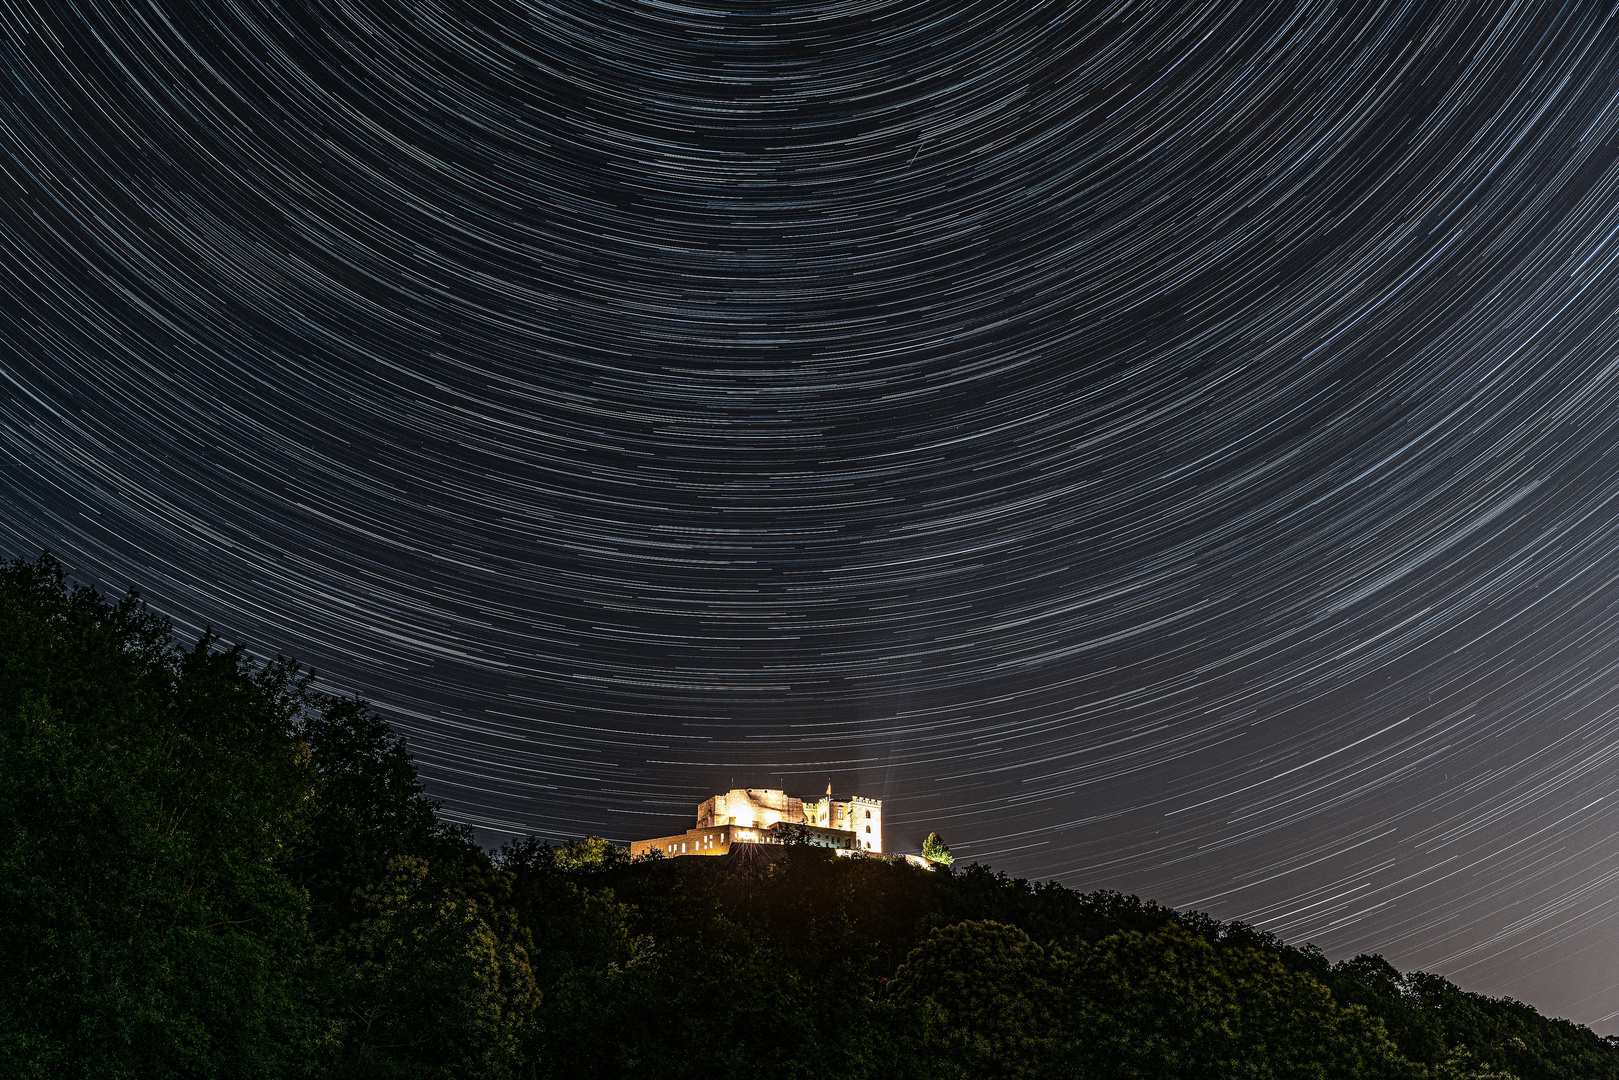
<point x="208" y="869"/>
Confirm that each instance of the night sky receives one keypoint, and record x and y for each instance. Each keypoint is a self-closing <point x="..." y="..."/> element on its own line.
<point x="1164" y="447"/>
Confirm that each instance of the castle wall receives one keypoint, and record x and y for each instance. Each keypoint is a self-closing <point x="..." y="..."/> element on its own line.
<point x="753" y="807"/>
<point x="715" y="840"/>
<point x="829" y="838"/>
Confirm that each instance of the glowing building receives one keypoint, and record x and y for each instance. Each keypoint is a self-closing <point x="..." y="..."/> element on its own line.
<point x="769" y="816"/>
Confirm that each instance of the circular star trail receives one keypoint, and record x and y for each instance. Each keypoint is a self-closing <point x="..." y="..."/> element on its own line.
<point x="1165" y="447"/>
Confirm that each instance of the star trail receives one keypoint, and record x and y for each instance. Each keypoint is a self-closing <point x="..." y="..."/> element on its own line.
<point x="1164" y="447"/>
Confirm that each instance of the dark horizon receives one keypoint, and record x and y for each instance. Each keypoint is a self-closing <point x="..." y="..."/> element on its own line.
<point x="1166" y="448"/>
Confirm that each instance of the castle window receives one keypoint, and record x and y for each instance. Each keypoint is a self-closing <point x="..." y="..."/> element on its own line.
<point x="868" y="828"/>
<point x="868" y="813"/>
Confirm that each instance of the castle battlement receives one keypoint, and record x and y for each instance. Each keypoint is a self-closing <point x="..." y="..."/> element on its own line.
<point x="759" y="815"/>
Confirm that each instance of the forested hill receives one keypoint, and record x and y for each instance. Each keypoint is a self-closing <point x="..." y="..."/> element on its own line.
<point x="207" y="869"/>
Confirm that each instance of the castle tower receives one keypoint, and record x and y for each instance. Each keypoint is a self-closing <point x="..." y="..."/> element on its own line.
<point x="858" y="815"/>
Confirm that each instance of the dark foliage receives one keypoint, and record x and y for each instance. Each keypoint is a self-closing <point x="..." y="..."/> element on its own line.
<point x="207" y="869"/>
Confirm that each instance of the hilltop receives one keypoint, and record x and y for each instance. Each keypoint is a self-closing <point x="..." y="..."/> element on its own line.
<point x="208" y="869"/>
<point x="971" y="973"/>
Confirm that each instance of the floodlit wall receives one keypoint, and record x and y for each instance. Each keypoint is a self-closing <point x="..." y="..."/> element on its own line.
<point x="757" y="808"/>
<point x="865" y="817"/>
<point x="716" y="840"/>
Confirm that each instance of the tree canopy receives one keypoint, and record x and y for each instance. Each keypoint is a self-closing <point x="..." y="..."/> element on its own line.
<point x="935" y="851"/>
<point x="210" y="869"/>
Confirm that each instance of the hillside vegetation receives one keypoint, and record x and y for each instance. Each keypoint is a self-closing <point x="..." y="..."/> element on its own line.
<point x="207" y="869"/>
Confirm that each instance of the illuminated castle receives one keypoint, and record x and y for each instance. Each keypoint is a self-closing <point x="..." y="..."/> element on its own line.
<point x="769" y="816"/>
